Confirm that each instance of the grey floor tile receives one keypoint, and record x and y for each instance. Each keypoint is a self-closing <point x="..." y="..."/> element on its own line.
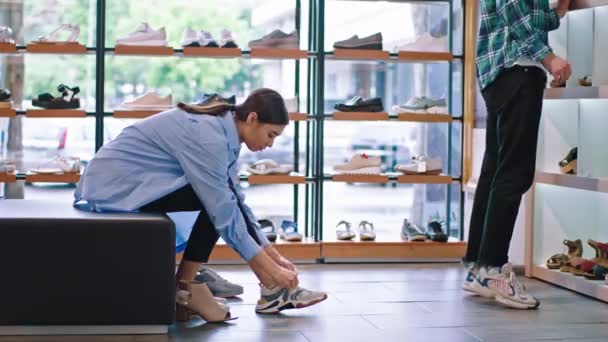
<point x="422" y="335"/>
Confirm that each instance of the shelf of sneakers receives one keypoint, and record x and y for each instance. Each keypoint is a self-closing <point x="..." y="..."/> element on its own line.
<point x="593" y="288"/>
<point x="576" y="93"/>
<point x="401" y="56"/>
<point x="384" y="116"/>
<point x="572" y="181"/>
<point x="292" y="178"/>
<point x="8" y="177"/>
<point x="379" y="250"/>
<point x="68" y="177"/>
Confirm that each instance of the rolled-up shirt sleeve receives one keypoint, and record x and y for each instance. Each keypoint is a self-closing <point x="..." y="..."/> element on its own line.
<point x="205" y="165"/>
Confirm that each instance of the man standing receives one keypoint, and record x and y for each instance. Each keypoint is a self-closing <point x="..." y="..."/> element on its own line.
<point x="513" y="56"/>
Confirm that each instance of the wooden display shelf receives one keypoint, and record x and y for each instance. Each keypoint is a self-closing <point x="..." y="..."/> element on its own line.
<point x="305" y="250"/>
<point x="63" y="48"/>
<point x="424" y="179"/>
<point x="350" y="178"/>
<point x="361" y="54"/>
<point x="419" y="117"/>
<point x="7" y="113"/>
<point x="593" y="288"/>
<point x="583" y="4"/>
<point x="576" y="93"/>
<point x="401" y="250"/>
<point x="276" y="179"/>
<point x="8" y="177"/>
<point x="8" y="48"/>
<point x="55" y="113"/>
<point x="360" y="116"/>
<point x="135" y="114"/>
<point x="425" y="56"/>
<point x="278" y="53"/>
<point x="143" y="50"/>
<point x="298" y="116"/>
<point x="190" y="51"/>
<point x="53" y="178"/>
<point x="573" y="181"/>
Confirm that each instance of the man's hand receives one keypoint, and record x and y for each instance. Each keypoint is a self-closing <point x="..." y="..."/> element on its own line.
<point x="562" y="7"/>
<point x="558" y="67"/>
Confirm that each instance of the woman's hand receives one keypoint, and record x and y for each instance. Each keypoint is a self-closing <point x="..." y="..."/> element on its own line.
<point x="271" y="274"/>
<point x="279" y="259"/>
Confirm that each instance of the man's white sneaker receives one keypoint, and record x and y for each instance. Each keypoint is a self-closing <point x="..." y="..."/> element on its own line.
<point x="504" y="286"/>
<point x="277" y="299"/>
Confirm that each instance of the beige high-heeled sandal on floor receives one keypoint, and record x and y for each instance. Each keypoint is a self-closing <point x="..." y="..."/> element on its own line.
<point x="195" y="298"/>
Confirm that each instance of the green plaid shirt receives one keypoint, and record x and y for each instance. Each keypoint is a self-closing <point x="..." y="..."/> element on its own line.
<point x="511" y="29"/>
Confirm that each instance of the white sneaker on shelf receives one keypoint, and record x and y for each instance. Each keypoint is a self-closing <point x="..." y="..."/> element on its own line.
<point x="268" y="167"/>
<point x="422" y="104"/>
<point x="360" y="164"/>
<point x="425" y="43"/>
<point x="149" y="100"/>
<point x="421" y="165"/>
<point x="6" y="34"/>
<point x="502" y="284"/>
<point x="227" y="39"/>
<point x="205" y="39"/>
<point x="144" y="35"/>
<point x="190" y="38"/>
<point x="73" y="32"/>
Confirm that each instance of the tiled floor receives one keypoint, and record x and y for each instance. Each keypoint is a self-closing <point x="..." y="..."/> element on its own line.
<point x="390" y="302"/>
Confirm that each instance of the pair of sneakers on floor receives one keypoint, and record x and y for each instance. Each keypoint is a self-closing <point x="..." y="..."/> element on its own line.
<point x="501" y="284"/>
<point x="271" y="300"/>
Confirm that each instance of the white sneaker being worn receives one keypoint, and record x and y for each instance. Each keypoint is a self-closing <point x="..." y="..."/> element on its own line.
<point x="144" y="35"/>
<point x="277" y="299"/>
<point x="471" y="284"/>
<point x="360" y="164"/>
<point x="504" y="286"/>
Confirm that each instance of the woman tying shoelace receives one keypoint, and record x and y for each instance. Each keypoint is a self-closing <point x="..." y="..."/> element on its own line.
<point x="185" y="159"/>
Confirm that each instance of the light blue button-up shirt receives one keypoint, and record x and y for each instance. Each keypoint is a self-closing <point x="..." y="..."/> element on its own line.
<point x="163" y="153"/>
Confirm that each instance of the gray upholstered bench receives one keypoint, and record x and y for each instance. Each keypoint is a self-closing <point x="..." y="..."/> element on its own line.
<point x="67" y="271"/>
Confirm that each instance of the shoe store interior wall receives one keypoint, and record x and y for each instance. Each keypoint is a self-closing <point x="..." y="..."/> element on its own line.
<point x="380" y="160"/>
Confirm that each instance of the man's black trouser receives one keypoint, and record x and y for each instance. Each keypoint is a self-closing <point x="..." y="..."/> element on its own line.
<point x="514" y="102"/>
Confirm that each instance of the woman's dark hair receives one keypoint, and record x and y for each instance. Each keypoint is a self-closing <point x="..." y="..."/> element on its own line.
<point x="267" y="103"/>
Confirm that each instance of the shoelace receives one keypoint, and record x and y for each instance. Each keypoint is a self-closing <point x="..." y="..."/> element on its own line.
<point x="517" y="285"/>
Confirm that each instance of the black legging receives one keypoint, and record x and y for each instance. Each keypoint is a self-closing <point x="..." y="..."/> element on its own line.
<point x="203" y="236"/>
